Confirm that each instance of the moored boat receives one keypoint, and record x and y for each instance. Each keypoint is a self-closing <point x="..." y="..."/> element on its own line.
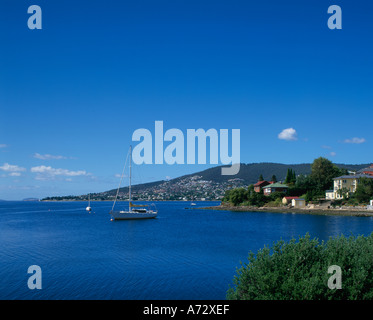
<point x="134" y="211"/>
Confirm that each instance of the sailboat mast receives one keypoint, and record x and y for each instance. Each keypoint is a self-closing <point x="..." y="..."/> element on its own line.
<point x="129" y="188"/>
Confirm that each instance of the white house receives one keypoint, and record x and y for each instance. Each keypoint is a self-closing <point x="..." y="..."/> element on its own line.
<point x="330" y="195"/>
<point x="345" y="185"/>
<point x="298" y="203"/>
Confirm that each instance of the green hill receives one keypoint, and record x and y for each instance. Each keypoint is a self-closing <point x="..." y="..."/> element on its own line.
<point x="249" y="173"/>
<point x="207" y="184"/>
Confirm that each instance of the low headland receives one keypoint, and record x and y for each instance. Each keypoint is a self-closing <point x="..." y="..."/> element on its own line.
<point x="327" y="190"/>
<point x="316" y="210"/>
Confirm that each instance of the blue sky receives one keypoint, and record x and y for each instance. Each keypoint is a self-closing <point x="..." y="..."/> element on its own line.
<point x="72" y="94"/>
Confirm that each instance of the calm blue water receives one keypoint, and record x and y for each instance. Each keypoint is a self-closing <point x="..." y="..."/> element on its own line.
<point x="183" y="254"/>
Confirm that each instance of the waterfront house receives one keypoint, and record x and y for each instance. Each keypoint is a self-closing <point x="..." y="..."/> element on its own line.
<point x="345" y="185"/>
<point x="298" y="203"/>
<point x="275" y="187"/>
<point x="329" y="195"/>
<point x="287" y="200"/>
<point x="260" y="185"/>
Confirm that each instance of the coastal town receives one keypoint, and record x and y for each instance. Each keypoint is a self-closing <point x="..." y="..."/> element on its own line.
<point x="351" y="191"/>
<point x="191" y="188"/>
<point x="331" y="188"/>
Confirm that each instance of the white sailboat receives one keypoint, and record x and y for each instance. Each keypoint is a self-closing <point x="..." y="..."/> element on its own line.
<point x="134" y="211"/>
<point x="89" y="204"/>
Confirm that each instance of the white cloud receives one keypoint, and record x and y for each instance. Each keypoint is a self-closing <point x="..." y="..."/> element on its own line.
<point x="48" y="157"/>
<point x="48" y="173"/>
<point x="15" y="174"/>
<point x="288" y="134"/>
<point x="11" y="168"/>
<point x="333" y="154"/>
<point x="355" y="140"/>
<point x="3" y="146"/>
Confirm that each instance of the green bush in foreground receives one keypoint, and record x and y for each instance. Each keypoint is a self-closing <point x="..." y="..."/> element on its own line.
<point x="298" y="270"/>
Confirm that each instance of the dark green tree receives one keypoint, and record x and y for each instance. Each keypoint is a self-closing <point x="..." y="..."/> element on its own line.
<point x="364" y="190"/>
<point x="274" y="179"/>
<point x="257" y="199"/>
<point x="298" y="270"/>
<point x="288" y="174"/>
<point x="238" y="196"/>
<point x="260" y="178"/>
<point x="290" y="177"/>
<point x="322" y="173"/>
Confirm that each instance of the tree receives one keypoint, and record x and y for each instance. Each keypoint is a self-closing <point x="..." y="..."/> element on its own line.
<point x="290" y="177"/>
<point x="364" y="190"/>
<point x="302" y="185"/>
<point x="310" y="195"/>
<point x="227" y="196"/>
<point x="257" y="199"/>
<point x="298" y="270"/>
<point x="343" y="193"/>
<point x="322" y="173"/>
<point x="261" y="178"/>
<point x="250" y="190"/>
<point x="287" y="179"/>
<point x="238" y="196"/>
<point x="274" y="179"/>
<point x="294" y="178"/>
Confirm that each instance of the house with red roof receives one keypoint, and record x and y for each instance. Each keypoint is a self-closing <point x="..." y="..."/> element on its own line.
<point x="368" y="171"/>
<point x="287" y="200"/>
<point x="261" y="184"/>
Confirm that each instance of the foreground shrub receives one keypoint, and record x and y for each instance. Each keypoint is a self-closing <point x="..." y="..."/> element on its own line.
<point x="298" y="270"/>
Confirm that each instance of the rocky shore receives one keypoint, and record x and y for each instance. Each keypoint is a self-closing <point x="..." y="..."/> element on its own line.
<point x="341" y="211"/>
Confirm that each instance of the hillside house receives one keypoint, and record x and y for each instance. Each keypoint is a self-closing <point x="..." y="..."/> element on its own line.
<point x="275" y="187"/>
<point x="368" y="171"/>
<point x="260" y="185"/>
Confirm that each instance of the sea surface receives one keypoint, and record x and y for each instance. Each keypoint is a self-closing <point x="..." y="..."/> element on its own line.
<point x="182" y="254"/>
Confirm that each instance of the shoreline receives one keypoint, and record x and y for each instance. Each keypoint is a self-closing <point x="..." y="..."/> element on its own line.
<point x="354" y="212"/>
<point x="119" y="200"/>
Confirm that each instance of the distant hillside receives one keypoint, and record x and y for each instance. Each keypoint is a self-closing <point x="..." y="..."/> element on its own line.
<point x="205" y="185"/>
<point x="249" y="173"/>
<point x="31" y="199"/>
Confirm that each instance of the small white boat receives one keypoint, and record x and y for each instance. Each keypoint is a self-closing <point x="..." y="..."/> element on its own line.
<point x="192" y="204"/>
<point x="89" y="204"/>
<point x="134" y="212"/>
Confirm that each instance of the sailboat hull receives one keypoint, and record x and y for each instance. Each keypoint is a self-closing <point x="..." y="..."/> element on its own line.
<point x="130" y="215"/>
